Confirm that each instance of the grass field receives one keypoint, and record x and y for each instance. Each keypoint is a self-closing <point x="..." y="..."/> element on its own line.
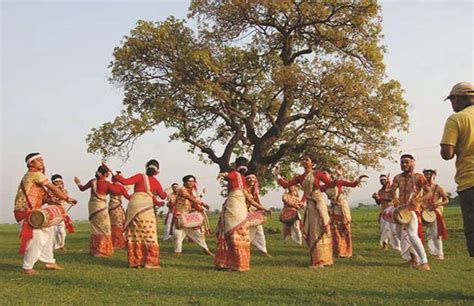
<point x="371" y="276"/>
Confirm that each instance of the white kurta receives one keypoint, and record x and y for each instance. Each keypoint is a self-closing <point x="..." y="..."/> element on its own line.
<point x="435" y="243"/>
<point x="257" y="238"/>
<point x="410" y="242"/>
<point x="40" y="247"/>
<point x="195" y="234"/>
<point x="295" y="232"/>
<point x="388" y="234"/>
<point x="59" y="235"/>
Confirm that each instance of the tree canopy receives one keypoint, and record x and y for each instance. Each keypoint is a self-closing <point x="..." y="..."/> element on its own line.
<point x="270" y="80"/>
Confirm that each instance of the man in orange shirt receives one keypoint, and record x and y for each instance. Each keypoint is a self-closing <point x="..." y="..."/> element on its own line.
<point x="458" y="139"/>
<point x="36" y="244"/>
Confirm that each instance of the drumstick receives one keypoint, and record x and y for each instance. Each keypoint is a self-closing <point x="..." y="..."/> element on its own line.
<point x="69" y="208"/>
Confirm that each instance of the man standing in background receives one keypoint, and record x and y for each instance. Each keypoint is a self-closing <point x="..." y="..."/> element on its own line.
<point x="383" y="198"/>
<point x="458" y="139"/>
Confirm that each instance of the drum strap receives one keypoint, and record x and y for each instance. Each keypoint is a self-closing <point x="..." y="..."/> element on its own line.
<point x="26" y="195"/>
<point x="434" y="194"/>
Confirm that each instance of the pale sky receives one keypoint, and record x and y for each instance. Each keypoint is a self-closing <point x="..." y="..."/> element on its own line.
<point x="55" y="89"/>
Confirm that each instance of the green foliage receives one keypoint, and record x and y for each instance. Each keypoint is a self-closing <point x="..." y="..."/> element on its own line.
<point x="267" y="79"/>
<point x="371" y="276"/>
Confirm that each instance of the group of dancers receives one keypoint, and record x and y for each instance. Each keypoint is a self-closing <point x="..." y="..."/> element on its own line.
<point x="423" y="200"/>
<point x="326" y="229"/>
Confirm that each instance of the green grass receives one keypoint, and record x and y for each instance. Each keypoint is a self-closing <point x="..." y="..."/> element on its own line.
<point x="371" y="276"/>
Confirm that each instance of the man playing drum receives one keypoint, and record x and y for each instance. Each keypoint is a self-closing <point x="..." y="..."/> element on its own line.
<point x="187" y="202"/>
<point x="36" y="244"/>
<point x="383" y="198"/>
<point x="60" y="229"/>
<point x="411" y="186"/>
<point x="435" y="230"/>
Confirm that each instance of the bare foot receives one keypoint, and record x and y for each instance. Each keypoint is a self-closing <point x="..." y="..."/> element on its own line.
<point x="53" y="266"/>
<point x="315" y="267"/>
<point x="207" y="252"/>
<point x="29" y="272"/>
<point x="100" y="255"/>
<point x="152" y="267"/>
<point x="265" y="254"/>
<point x="424" y="267"/>
<point x="221" y="268"/>
<point x="177" y="254"/>
<point x="439" y="257"/>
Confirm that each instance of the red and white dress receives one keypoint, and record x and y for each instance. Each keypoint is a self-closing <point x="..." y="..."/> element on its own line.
<point x="140" y="224"/>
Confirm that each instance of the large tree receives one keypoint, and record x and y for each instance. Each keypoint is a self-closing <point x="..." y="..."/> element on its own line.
<point x="268" y="79"/>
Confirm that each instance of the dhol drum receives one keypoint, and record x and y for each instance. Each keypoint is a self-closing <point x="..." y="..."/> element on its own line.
<point x="256" y="218"/>
<point x="189" y="220"/>
<point x="397" y="215"/>
<point x="47" y="216"/>
<point x="429" y="216"/>
<point x="288" y="215"/>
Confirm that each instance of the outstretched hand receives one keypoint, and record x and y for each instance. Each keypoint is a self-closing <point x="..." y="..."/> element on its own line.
<point x="77" y="181"/>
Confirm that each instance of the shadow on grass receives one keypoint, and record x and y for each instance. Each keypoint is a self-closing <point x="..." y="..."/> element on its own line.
<point x="9" y="267"/>
<point x="87" y="259"/>
<point x="265" y="293"/>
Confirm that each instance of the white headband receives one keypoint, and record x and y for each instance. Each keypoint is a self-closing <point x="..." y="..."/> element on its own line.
<point x="57" y="179"/>
<point x="242" y="168"/>
<point x="33" y="158"/>
<point x="153" y="167"/>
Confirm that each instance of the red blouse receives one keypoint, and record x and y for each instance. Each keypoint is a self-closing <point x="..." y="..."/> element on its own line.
<point x="299" y="179"/>
<point x="139" y="184"/>
<point x="123" y="191"/>
<point x="104" y="187"/>
<point x="339" y="184"/>
<point x="236" y="180"/>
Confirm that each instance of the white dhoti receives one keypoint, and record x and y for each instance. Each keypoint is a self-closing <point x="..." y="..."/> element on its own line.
<point x="59" y="235"/>
<point x="40" y="247"/>
<point x="410" y="242"/>
<point x="435" y="243"/>
<point x="168" y="221"/>
<point x="257" y="238"/>
<point x="388" y="234"/>
<point x="294" y="233"/>
<point x="195" y="234"/>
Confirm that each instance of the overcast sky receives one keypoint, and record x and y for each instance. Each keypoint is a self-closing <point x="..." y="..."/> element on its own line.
<point x="54" y="89"/>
